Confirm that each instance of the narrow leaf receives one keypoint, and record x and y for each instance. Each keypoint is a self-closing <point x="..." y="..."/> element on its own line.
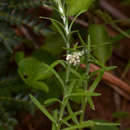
<point x="81" y="125"/>
<point x="51" y="100"/>
<point x="59" y="26"/>
<point x="56" y="74"/>
<point x="87" y="94"/>
<point x="42" y="108"/>
<point x="90" y="101"/>
<point x="74" y="114"/>
<point x="96" y="82"/>
<point x="89" y="124"/>
<point x="74" y="118"/>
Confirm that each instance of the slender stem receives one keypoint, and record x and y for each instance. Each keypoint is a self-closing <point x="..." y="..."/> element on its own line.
<point x="67" y="33"/>
<point x="84" y="102"/>
<point x="83" y="107"/>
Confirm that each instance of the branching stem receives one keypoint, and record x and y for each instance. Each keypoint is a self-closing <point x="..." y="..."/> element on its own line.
<point x="67" y="33"/>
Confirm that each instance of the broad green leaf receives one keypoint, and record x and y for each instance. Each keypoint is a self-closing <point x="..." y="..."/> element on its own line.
<point x="78" y="6"/>
<point x="99" y="35"/>
<point x="42" y="108"/>
<point x="33" y="69"/>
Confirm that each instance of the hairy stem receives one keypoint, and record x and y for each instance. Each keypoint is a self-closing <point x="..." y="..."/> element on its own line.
<point x="67" y="33"/>
<point x="84" y="102"/>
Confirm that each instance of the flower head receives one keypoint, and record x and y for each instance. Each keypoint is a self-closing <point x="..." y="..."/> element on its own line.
<point x="74" y="58"/>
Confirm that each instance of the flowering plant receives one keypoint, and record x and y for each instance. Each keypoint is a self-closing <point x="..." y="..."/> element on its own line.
<point x="75" y="82"/>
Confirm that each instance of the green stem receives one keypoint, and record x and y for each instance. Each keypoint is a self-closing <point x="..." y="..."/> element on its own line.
<point x="66" y="27"/>
<point x="83" y="107"/>
<point x="65" y="93"/>
<point x="67" y="74"/>
<point x="84" y="102"/>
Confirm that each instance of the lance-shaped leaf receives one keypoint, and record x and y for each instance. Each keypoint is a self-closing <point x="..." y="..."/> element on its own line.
<point x="42" y="108"/>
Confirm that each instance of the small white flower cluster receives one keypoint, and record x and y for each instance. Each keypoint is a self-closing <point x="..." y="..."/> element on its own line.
<point x="74" y="58"/>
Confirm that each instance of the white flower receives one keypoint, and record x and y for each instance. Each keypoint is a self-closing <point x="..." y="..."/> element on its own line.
<point x="74" y="58"/>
